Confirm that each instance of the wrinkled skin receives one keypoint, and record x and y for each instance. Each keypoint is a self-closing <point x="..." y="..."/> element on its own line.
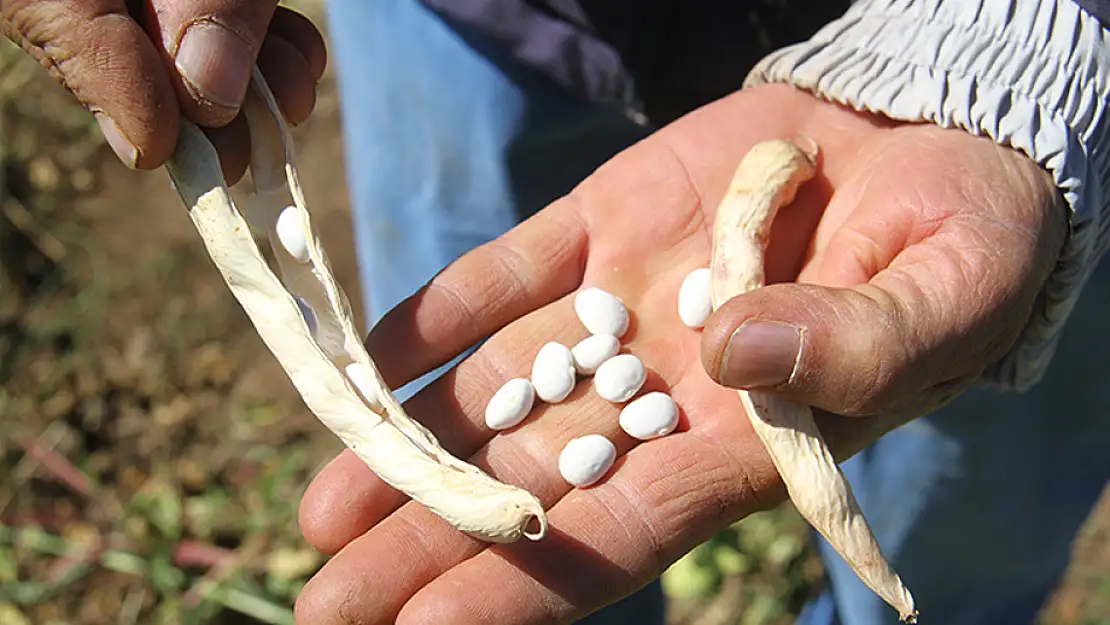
<point x="910" y="263"/>
<point x="121" y="60"/>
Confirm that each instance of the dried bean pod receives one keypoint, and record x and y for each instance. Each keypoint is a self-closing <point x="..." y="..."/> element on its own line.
<point x="766" y="179"/>
<point x="400" y="450"/>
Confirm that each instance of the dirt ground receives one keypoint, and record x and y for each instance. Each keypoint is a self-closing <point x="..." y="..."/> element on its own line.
<point x="151" y="451"/>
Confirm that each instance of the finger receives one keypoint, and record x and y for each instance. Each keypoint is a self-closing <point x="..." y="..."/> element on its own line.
<point x="340" y="500"/>
<point x="289" y="77"/>
<point x="299" y="31"/>
<point x="529" y="267"/>
<point x="666" y="497"/>
<point x="233" y="143"/>
<point x="210" y="46"/>
<point x="102" y="55"/>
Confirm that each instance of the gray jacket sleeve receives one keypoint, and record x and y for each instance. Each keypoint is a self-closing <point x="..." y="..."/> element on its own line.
<point x="1030" y="74"/>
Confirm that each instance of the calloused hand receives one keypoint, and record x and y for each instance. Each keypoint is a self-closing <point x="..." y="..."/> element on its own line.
<point x="910" y="263"/>
<point x="139" y="65"/>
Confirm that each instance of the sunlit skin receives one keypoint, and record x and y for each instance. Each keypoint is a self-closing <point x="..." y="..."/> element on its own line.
<point x="911" y="262"/>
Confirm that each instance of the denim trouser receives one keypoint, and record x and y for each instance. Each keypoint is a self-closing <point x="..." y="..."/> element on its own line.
<point x="449" y="145"/>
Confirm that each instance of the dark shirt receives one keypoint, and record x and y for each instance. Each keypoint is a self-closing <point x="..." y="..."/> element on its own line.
<point x="661" y="58"/>
<point x="1099" y="9"/>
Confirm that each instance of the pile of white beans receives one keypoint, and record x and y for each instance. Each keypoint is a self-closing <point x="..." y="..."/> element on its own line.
<point x="617" y="378"/>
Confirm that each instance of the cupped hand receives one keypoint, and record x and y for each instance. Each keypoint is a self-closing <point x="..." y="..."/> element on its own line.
<point x="138" y="65"/>
<point x="911" y="262"/>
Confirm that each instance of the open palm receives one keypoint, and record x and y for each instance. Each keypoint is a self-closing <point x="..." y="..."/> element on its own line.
<point x="910" y="263"/>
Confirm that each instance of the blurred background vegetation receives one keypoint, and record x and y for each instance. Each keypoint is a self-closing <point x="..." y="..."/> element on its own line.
<point x="150" y="467"/>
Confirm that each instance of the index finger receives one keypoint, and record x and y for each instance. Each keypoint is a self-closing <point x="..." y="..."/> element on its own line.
<point x="525" y="269"/>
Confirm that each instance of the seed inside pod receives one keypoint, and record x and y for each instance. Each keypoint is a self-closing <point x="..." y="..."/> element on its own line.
<point x="292" y="234"/>
<point x="362" y="378"/>
<point x="307" y="313"/>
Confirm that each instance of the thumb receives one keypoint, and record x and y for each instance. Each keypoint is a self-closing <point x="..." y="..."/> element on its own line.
<point x="100" y="54"/>
<point x="850" y="351"/>
<point x="211" y="47"/>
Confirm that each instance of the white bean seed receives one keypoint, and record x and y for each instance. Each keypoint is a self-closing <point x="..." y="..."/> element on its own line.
<point x="291" y="234"/>
<point x="695" y="298"/>
<point x="601" y="312"/>
<point x="593" y="350"/>
<point x="620" y="378"/>
<point x="553" y="372"/>
<point x="363" y="380"/>
<point x="651" y="416"/>
<point x="586" y="459"/>
<point x="307" y="313"/>
<point x="510" y="404"/>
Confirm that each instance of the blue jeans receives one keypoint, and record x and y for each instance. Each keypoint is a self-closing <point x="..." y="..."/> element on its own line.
<point x="449" y="145"/>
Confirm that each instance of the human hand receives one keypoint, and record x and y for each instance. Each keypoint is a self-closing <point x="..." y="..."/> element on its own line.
<point x="921" y="252"/>
<point x="139" y="65"/>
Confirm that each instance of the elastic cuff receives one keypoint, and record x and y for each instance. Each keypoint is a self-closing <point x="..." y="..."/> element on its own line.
<point x="1031" y="75"/>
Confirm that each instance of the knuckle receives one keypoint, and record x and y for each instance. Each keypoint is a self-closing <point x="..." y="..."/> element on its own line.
<point x="878" y="382"/>
<point x="880" y="358"/>
<point x="872" y="392"/>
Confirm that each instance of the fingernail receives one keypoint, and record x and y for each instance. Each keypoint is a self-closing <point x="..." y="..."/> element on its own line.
<point x="123" y="148"/>
<point x="760" y="354"/>
<point x="216" y="63"/>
